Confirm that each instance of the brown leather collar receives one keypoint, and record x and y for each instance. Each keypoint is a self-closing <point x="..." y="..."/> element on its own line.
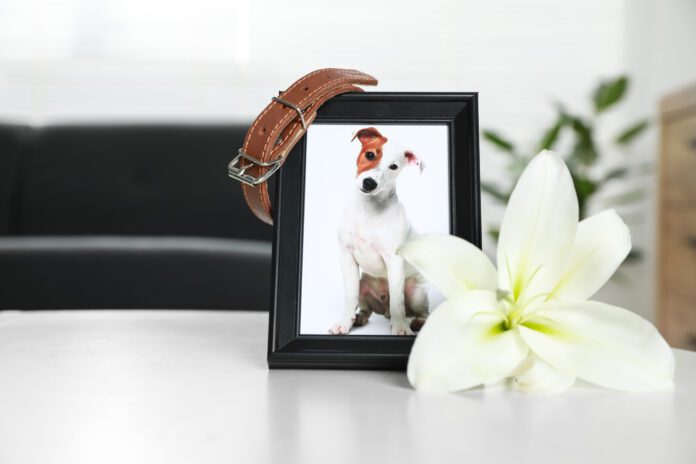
<point x="281" y="125"/>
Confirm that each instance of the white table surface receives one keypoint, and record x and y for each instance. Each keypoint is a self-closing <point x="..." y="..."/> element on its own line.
<point x="193" y="387"/>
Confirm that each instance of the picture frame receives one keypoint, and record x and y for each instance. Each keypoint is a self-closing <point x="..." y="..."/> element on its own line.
<point x="456" y="116"/>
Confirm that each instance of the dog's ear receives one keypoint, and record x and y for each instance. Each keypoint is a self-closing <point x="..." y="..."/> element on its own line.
<point x="413" y="160"/>
<point x="368" y="135"/>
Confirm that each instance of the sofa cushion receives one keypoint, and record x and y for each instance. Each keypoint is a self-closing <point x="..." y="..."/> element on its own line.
<point x="135" y="180"/>
<point x="12" y="141"/>
<point x="133" y="272"/>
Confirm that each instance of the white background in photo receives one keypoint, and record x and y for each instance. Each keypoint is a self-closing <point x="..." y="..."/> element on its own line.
<point x="330" y="183"/>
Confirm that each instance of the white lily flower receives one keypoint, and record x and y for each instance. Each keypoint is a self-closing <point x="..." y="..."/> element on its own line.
<point x="531" y="320"/>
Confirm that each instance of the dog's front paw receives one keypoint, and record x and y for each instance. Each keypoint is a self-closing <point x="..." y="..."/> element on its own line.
<point x="417" y="323"/>
<point x="401" y="328"/>
<point x="361" y="318"/>
<point x="341" y="328"/>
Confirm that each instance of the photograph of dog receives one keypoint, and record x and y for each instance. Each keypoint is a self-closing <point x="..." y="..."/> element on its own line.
<point x="374" y="225"/>
<point x="367" y="191"/>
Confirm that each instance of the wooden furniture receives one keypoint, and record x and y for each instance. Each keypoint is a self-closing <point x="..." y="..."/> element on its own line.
<point x="193" y="387"/>
<point x="677" y="221"/>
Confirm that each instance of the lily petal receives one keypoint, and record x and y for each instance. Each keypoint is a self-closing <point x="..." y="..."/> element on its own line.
<point x="537" y="376"/>
<point x="602" y="344"/>
<point x="450" y="263"/>
<point x="538" y="228"/>
<point x="464" y="344"/>
<point x="601" y="244"/>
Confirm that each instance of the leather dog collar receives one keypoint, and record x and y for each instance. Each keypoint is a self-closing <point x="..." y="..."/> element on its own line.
<point x="281" y="125"/>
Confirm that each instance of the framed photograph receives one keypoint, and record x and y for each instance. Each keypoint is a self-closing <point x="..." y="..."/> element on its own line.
<point x="372" y="170"/>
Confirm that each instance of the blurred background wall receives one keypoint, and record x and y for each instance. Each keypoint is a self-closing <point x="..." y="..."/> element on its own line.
<point x="210" y="60"/>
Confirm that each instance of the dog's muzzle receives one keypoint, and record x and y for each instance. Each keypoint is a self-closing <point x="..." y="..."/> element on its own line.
<point x="368" y="184"/>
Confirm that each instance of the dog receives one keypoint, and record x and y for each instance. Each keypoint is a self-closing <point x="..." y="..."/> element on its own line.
<point x="374" y="225"/>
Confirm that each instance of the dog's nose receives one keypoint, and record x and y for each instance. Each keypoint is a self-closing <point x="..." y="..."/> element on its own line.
<point x="369" y="184"/>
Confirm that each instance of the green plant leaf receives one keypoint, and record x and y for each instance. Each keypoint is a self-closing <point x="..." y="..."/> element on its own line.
<point x="584" y="151"/>
<point x="581" y="128"/>
<point x="616" y="173"/>
<point x="551" y="134"/>
<point x="584" y="189"/>
<point x="634" y="256"/>
<point x="499" y="141"/>
<point x="516" y="166"/>
<point x="495" y="192"/>
<point x="494" y="233"/>
<point x="609" y="92"/>
<point x="633" y="131"/>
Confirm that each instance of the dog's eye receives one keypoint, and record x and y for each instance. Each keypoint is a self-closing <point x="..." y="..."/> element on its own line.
<point x="369" y="155"/>
<point x="393" y="167"/>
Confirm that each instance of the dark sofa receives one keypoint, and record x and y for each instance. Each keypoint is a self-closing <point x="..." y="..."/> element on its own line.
<point x="127" y="216"/>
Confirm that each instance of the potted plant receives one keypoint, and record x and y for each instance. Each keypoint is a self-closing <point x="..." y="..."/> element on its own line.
<point x="582" y="152"/>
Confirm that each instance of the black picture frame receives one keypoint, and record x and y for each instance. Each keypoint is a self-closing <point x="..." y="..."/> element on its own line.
<point x="287" y="348"/>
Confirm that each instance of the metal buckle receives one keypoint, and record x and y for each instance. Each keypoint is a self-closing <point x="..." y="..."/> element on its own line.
<point x="235" y="171"/>
<point x="294" y="107"/>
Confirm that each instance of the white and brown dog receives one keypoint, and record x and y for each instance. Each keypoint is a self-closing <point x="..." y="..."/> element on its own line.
<point x="373" y="227"/>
